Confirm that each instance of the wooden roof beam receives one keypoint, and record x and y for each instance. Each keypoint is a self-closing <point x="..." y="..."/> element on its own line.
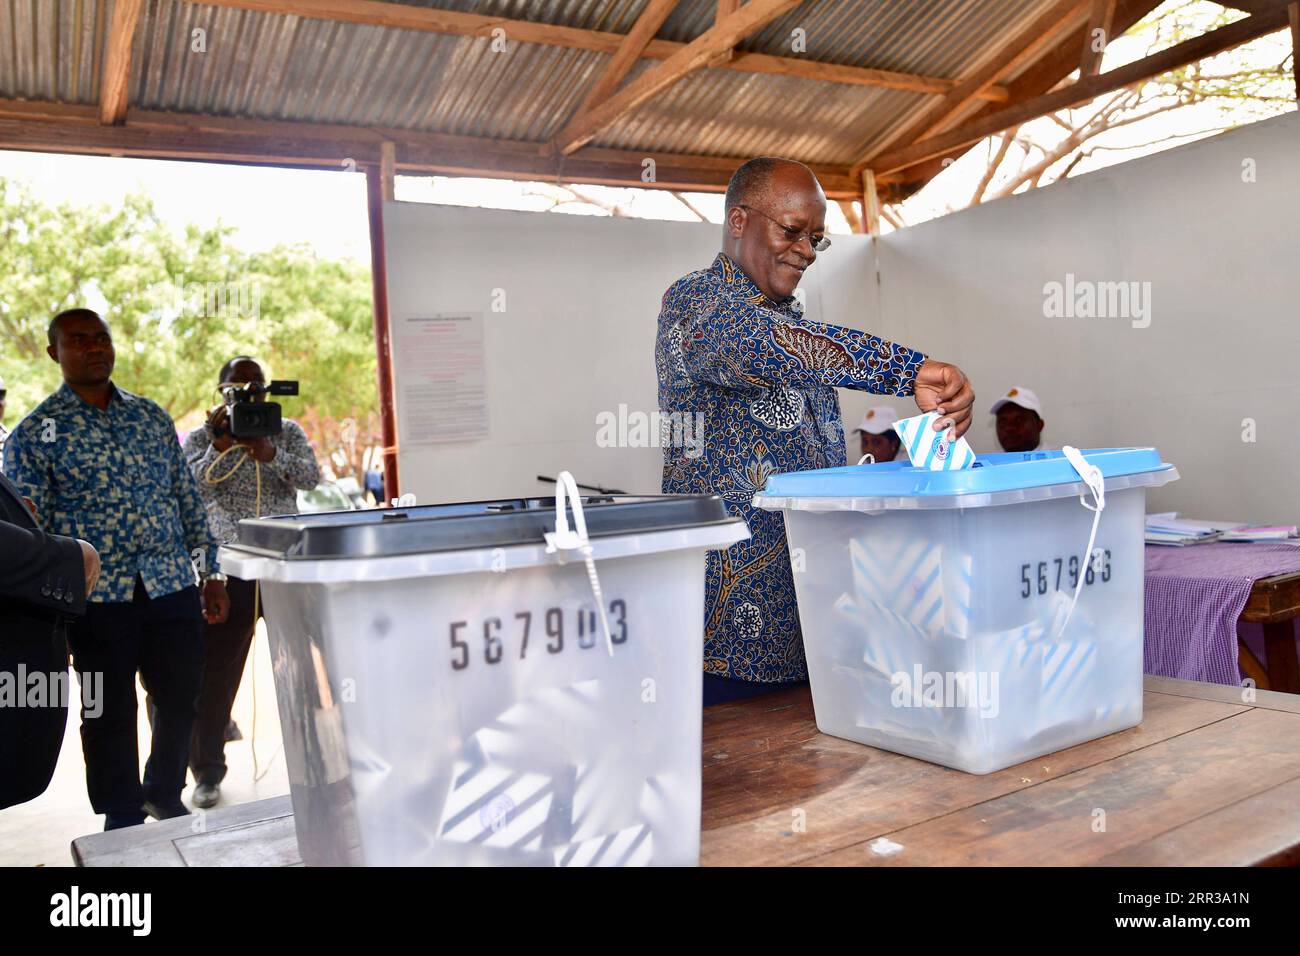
<point x="1087" y="89"/>
<point x="1094" y="46"/>
<point x="694" y="56"/>
<point x="1248" y="6"/>
<point x="725" y="9"/>
<point x="65" y="128"/>
<point x="643" y="31"/>
<point x="1019" y="48"/>
<point x="115" y="80"/>
<point x="453" y="23"/>
<point x="1045" y="74"/>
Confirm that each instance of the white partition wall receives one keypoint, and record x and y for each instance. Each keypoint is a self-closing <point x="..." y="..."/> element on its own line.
<point x="1212" y="230"/>
<point x="568" y="306"/>
<point x="1204" y="237"/>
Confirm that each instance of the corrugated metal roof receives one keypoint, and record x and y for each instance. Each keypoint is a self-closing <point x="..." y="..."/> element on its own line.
<point x="50" y="49"/>
<point x="271" y="66"/>
<point x="725" y="112"/>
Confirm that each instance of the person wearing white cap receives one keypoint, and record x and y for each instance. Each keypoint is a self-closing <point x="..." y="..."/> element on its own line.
<point x="1020" y="419"/>
<point x="879" y="440"/>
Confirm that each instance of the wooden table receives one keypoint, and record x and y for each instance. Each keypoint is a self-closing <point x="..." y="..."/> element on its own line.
<point x="1206" y="780"/>
<point x="1275" y="603"/>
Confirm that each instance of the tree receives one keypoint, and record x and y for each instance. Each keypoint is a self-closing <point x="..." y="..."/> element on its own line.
<point x="182" y="303"/>
<point x="1235" y="87"/>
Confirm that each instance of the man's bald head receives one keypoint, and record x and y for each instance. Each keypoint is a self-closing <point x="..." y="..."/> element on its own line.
<point x="775" y="213"/>
<point x="756" y="179"/>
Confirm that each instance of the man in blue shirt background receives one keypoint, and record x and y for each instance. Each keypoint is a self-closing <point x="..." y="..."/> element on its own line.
<point x="104" y="465"/>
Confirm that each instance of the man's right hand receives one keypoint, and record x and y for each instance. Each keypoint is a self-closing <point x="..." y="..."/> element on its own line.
<point x="90" y="564"/>
<point x="219" y="426"/>
<point x="944" y="388"/>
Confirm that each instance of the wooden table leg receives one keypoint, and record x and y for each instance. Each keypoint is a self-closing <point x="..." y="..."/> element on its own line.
<point x="1279" y="651"/>
<point x="1251" y="666"/>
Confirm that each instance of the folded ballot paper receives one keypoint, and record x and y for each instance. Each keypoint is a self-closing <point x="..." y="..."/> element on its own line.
<point x="928" y="448"/>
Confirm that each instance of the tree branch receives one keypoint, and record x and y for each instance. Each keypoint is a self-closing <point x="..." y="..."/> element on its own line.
<point x="994" y="163"/>
<point x="687" y="203"/>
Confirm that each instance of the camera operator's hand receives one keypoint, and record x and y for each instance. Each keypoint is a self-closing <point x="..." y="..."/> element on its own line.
<point x="260" y="449"/>
<point x="219" y="428"/>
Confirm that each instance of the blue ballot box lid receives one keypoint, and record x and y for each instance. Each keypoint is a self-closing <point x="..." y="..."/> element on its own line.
<point x="465" y="525"/>
<point x="1001" y="478"/>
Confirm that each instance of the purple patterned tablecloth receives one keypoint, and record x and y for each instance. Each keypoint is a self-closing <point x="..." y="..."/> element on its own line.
<point x="1194" y="596"/>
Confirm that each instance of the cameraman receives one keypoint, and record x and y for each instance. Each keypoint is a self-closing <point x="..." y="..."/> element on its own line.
<point x="228" y="482"/>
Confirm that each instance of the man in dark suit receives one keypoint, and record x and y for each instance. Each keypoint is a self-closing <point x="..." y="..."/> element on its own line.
<point x="43" y="579"/>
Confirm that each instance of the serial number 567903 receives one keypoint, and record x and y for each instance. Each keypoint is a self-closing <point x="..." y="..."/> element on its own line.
<point x="497" y="636"/>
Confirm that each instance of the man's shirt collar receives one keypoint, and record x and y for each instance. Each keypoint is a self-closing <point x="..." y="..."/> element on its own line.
<point x="742" y="286"/>
<point x="66" y="394"/>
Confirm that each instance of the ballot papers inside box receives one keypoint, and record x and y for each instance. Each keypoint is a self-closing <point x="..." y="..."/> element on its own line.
<point x="938" y="608"/>
<point x="450" y="694"/>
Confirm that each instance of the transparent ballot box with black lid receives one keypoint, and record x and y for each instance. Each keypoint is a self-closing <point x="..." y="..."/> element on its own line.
<point x="452" y="690"/>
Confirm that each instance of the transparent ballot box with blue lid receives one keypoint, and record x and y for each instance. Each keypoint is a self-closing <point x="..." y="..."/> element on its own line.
<point x="489" y="683"/>
<point x="974" y="618"/>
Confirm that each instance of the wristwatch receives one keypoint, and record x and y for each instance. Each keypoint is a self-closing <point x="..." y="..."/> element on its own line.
<point x="213" y="576"/>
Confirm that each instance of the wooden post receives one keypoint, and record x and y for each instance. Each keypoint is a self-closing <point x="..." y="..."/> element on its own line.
<point x="1280" y="653"/>
<point x="870" y="204"/>
<point x="1294" y="11"/>
<point x="388" y="170"/>
<point x="383" y="335"/>
<point x="851" y="215"/>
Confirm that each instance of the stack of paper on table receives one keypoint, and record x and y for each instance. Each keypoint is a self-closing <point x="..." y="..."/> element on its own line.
<point x="1169" y="529"/>
<point x="1270" y="533"/>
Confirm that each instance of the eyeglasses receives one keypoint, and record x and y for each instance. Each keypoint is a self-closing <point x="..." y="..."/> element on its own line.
<point x="818" y="243"/>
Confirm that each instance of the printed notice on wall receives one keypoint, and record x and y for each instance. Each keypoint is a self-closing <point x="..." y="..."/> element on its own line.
<point x="440" y="372"/>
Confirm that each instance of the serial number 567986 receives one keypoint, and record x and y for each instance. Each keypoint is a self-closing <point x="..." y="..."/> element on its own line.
<point x="1065" y="571"/>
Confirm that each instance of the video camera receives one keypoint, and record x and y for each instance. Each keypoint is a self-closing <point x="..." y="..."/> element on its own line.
<point x="251" y="418"/>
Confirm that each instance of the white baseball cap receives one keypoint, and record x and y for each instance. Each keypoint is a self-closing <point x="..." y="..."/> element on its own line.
<point x="1019" y="395"/>
<point x="878" y="420"/>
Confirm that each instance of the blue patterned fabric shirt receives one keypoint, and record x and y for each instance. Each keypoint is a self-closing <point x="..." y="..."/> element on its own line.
<point x="116" y="478"/>
<point x="753" y="384"/>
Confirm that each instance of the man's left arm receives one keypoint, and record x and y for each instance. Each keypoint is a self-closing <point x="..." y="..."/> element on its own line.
<point x="199" y="539"/>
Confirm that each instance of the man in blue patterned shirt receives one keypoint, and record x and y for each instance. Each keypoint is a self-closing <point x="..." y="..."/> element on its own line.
<point x="733" y="347"/>
<point x="105" y="465"/>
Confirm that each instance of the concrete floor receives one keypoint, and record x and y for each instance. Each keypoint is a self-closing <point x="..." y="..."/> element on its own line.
<point x="40" y="833"/>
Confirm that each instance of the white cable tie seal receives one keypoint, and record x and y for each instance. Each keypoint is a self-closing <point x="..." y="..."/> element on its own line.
<point x="868" y="458"/>
<point x="1092" y="477"/>
<point x="564" y="538"/>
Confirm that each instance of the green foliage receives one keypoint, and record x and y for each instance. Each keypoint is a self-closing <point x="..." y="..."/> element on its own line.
<point x="180" y="304"/>
<point x="1244" y="84"/>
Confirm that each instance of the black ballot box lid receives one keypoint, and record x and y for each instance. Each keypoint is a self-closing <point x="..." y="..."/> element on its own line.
<point x="421" y="529"/>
